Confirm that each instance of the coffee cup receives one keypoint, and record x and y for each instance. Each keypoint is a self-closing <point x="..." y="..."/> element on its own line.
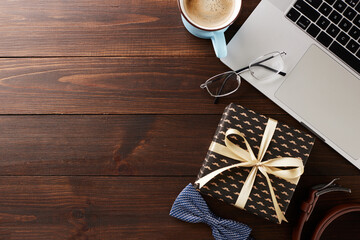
<point x="209" y="19"/>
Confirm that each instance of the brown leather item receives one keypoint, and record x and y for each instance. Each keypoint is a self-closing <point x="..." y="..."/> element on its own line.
<point x="308" y="206"/>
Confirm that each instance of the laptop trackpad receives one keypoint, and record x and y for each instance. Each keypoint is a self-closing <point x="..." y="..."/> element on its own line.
<point x="327" y="97"/>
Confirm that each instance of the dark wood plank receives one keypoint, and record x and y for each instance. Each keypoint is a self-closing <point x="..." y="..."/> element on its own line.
<point x="136" y="145"/>
<point x="116" y="176"/>
<point x="99" y="28"/>
<point x="117" y="86"/>
<point x="131" y="208"/>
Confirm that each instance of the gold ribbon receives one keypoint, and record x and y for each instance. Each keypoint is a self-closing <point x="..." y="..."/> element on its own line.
<point x="248" y="159"/>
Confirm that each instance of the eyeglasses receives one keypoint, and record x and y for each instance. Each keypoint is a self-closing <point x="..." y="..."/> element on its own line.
<point x="263" y="68"/>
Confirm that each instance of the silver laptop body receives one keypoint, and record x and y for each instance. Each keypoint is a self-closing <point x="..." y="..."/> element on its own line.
<point x="320" y="90"/>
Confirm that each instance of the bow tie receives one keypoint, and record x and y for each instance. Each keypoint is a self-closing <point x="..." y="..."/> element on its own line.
<point x="190" y="207"/>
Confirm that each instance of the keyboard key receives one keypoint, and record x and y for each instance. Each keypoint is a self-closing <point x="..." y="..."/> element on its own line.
<point x="293" y="15"/>
<point x="346" y="56"/>
<point x="340" y="5"/>
<point x="308" y="11"/>
<point x="358" y="54"/>
<point x="352" y="2"/>
<point x="357" y="20"/>
<point x="343" y="38"/>
<point x="352" y="46"/>
<point x="323" y="22"/>
<point x="303" y="22"/>
<point x="358" y="8"/>
<point x="350" y="13"/>
<point x="325" y="9"/>
<point x="335" y="17"/>
<point x="333" y="30"/>
<point x="313" y="30"/>
<point x="314" y="3"/>
<point x="331" y="2"/>
<point x="345" y="24"/>
<point x="354" y="32"/>
<point x="324" y="39"/>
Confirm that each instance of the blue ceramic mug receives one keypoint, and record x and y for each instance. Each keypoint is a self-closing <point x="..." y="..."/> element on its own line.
<point x="213" y="30"/>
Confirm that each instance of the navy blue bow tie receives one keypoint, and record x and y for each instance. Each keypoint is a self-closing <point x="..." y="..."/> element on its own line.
<point x="190" y="207"/>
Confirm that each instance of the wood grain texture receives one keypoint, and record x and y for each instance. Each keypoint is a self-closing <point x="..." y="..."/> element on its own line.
<point x="117" y="86"/>
<point x="99" y="28"/>
<point x="128" y="208"/>
<point x="103" y="123"/>
<point x="165" y="145"/>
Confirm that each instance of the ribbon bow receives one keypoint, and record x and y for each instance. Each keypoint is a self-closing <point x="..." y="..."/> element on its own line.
<point x="190" y="207"/>
<point x="248" y="159"/>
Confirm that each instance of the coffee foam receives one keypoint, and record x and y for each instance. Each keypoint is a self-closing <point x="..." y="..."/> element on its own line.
<point x="209" y="13"/>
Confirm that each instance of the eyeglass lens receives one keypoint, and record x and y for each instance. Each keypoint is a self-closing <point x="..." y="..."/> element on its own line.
<point x="223" y="84"/>
<point x="267" y="66"/>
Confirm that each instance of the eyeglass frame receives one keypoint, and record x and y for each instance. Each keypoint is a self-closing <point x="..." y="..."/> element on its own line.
<point x="238" y="77"/>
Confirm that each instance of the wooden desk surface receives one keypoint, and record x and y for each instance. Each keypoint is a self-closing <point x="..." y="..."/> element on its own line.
<point x="103" y="123"/>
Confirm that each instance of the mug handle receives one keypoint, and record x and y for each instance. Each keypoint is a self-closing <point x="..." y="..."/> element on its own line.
<point x="219" y="43"/>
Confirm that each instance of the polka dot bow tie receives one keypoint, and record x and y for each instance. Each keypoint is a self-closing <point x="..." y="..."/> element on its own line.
<point x="190" y="207"/>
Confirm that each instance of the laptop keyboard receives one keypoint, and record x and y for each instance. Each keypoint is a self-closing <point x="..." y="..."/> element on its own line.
<point x="333" y="23"/>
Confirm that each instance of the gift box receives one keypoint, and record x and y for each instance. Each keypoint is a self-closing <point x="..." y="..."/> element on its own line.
<point x="254" y="163"/>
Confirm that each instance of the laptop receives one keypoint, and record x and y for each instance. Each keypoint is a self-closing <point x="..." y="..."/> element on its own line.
<point x="322" y="86"/>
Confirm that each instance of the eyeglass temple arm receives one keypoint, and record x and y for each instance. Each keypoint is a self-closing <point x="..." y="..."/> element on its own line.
<point x="259" y="64"/>
<point x="270" y="69"/>
<point x="264" y="66"/>
<point x="264" y="60"/>
<point x="243" y="69"/>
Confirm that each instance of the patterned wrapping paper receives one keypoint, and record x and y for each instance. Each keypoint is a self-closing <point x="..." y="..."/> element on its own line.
<point x="286" y="142"/>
